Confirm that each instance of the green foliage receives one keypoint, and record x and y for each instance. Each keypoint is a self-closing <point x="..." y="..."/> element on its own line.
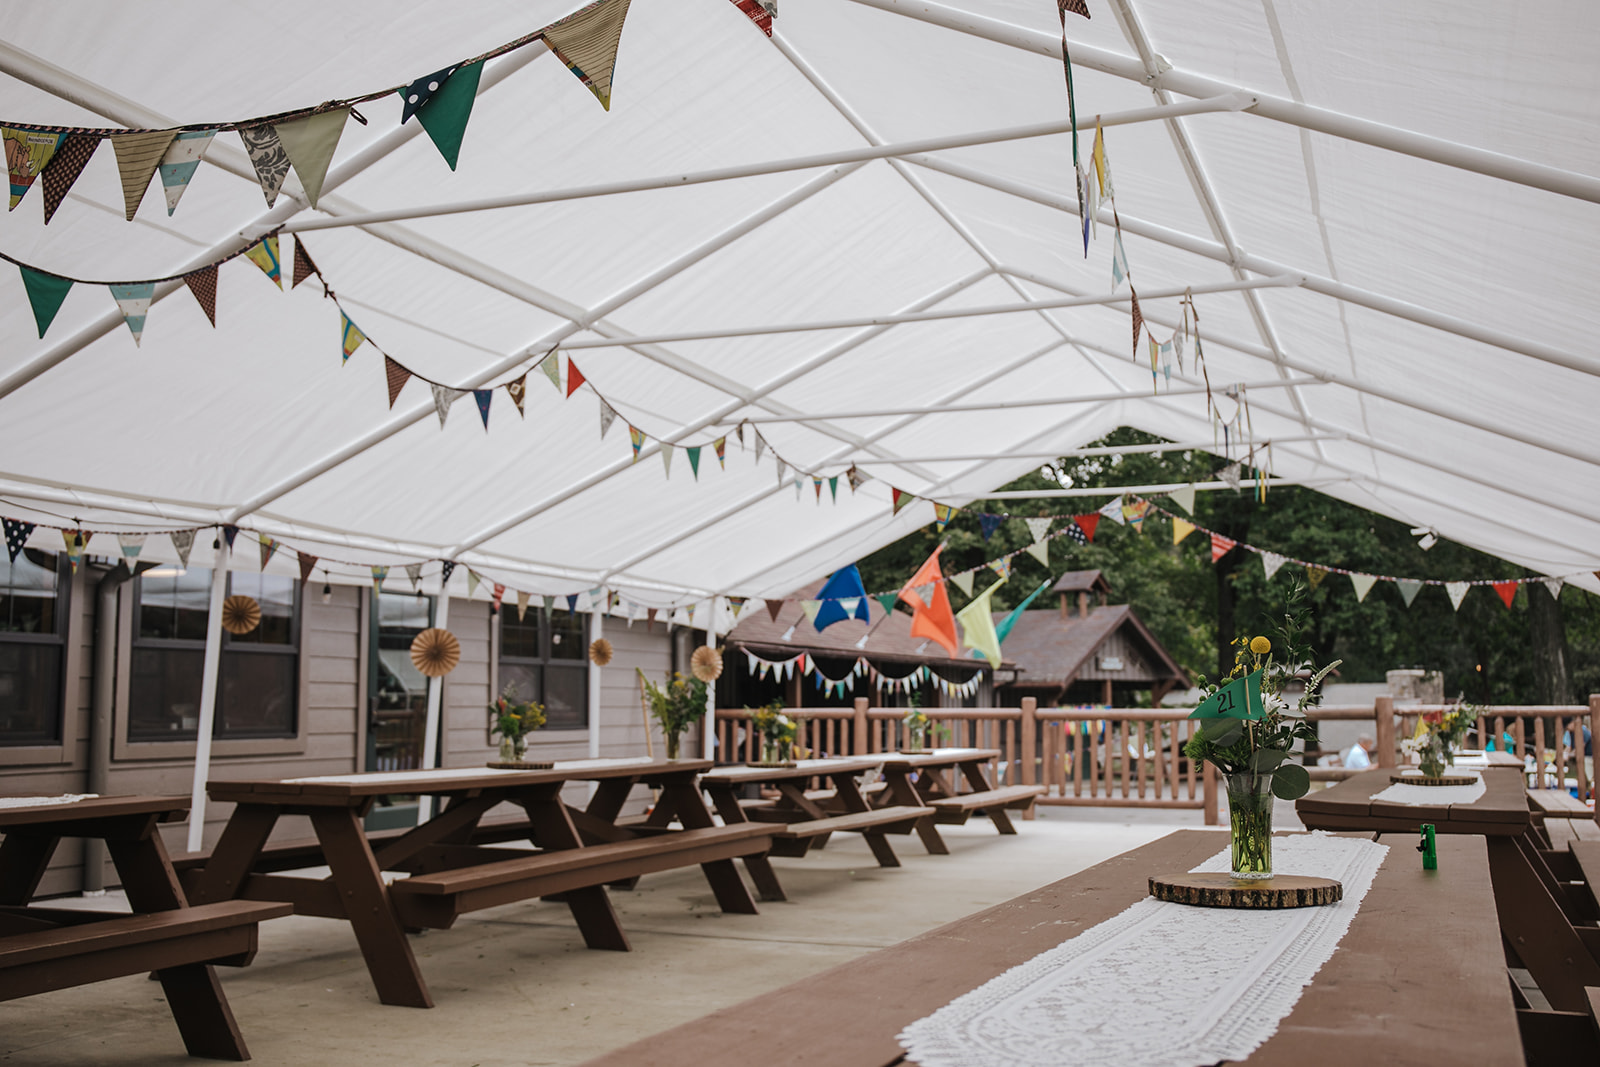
<point x="513" y="720"/>
<point x="678" y="704"/>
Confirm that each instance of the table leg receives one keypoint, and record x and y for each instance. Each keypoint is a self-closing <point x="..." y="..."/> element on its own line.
<point x="845" y="788"/>
<point x="973" y="772"/>
<point x="683" y="797"/>
<point x="1537" y="930"/>
<point x="193" y="993"/>
<point x="23" y="860"/>
<point x="726" y="801"/>
<point x="903" y="793"/>
<point x="591" y="908"/>
<point x="366" y="901"/>
<point x="236" y="852"/>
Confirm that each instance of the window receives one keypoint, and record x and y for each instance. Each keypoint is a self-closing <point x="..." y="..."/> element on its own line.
<point x="543" y="656"/>
<point x="397" y="691"/>
<point x="259" y="672"/>
<point x="32" y="648"/>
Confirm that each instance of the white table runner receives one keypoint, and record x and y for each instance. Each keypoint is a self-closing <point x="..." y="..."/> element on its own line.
<point x="1161" y="985"/>
<point x="1433" y="795"/>
<point x="39" y="802"/>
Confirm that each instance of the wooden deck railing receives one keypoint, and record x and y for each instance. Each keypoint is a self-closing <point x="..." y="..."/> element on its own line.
<point x="1133" y="757"/>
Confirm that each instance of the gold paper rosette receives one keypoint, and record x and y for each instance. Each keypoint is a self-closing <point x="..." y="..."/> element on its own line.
<point x="240" y="614"/>
<point x="600" y="652"/>
<point x="706" y="664"/>
<point x="435" y="652"/>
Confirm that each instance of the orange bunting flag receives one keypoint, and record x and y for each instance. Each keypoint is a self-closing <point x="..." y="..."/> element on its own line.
<point x="1507" y="591"/>
<point x="932" y="617"/>
<point x="574" y="377"/>
<point x="1220" y="546"/>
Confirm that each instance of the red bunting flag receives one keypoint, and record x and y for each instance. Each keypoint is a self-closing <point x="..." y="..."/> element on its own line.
<point x="1220" y="546"/>
<point x="901" y="498"/>
<point x="574" y="377"/>
<point x="1507" y="591"/>
<point x="1087" y="523"/>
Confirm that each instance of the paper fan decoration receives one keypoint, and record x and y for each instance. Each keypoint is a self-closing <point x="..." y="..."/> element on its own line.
<point x="600" y="651"/>
<point x="240" y="614"/>
<point x="435" y="652"/>
<point x="706" y="664"/>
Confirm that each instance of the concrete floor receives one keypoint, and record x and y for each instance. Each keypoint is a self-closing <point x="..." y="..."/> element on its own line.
<point x="514" y="985"/>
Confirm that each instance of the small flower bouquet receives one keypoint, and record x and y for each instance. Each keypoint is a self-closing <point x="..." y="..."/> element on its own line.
<point x="514" y="721"/>
<point x="676" y="706"/>
<point x="778" y="733"/>
<point x="916" y="722"/>
<point x="1439" y="734"/>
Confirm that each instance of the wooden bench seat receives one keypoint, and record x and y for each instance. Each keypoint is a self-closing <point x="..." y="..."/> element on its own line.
<point x="298" y="853"/>
<point x="92" y="951"/>
<point x="958" y="809"/>
<point x="436" y="900"/>
<point x="1559" y="802"/>
<point x="856" y="820"/>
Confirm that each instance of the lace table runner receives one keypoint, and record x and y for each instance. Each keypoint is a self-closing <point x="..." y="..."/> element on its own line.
<point x="1433" y="795"/>
<point x="1161" y="985"/>
<point x="39" y="802"/>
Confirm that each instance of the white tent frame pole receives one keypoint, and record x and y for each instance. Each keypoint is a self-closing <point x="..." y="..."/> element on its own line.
<point x="940" y="315"/>
<point x="1249" y="348"/>
<point x="821" y="359"/>
<point x="877" y="435"/>
<point x="1085" y="453"/>
<point x="430" y="736"/>
<point x="1225" y="102"/>
<point x="596" y="632"/>
<point x="68" y="86"/>
<point x="708" y="734"/>
<point x="1289" y="112"/>
<point x="631" y="292"/>
<point x="208" y="697"/>
<point x="963" y="499"/>
<point x="1311" y="280"/>
<point x="1032" y="402"/>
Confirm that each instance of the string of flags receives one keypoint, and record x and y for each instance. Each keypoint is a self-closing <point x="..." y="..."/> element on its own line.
<point x="804" y="665"/>
<point x="305" y="139"/>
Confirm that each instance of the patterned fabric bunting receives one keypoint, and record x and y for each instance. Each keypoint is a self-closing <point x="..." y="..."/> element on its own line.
<point x="70" y="159"/>
<point x="942" y="514"/>
<point x="483" y="397"/>
<point x="1314" y="576"/>
<point x="1138" y="321"/>
<point x="303" y="266"/>
<point x="1507" y="591"/>
<point x="308" y="563"/>
<point x="264" y="254"/>
<point x="1074" y="533"/>
<point x="414" y="575"/>
<point x="608" y="415"/>
<point x="138" y="155"/>
<point x="180" y="162"/>
<point x="268" y="546"/>
<point x="721" y="447"/>
<point x="636" y="438"/>
<point x="229" y="532"/>
<point x="378" y="575"/>
<point x="266" y="154"/>
<point x="901" y="498"/>
<point x="1181" y="528"/>
<point x="963" y="581"/>
<point x="350" y="336"/>
<point x="131" y="544"/>
<point x="449" y="568"/>
<point x="17" y="533"/>
<point x="1272" y="561"/>
<point x="499" y="598"/>
<point x="203" y="284"/>
<point x="587" y="41"/>
<point x="1038" y="527"/>
<point x="398" y="376"/>
<point x="833" y="488"/>
<point x="182" y="543"/>
<point x="551" y="365"/>
<point x="28" y="152"/>
<point x="445" y="113"/>
<point x="1220" y="546"/>
<point x="666" y="458"/>
<point x="1458" y="593"/>
<point x="133" y="301"/>
<point x="443" y="397"/>
<point x="760" y="12"/>
<point x="1363" y="585"/>
<point x="75" y="542"/>
<point x="518" y="391"/>
<point x="988" y="524"/>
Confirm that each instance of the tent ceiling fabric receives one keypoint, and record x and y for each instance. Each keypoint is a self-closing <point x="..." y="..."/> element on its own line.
<point x="1469" y="406"/>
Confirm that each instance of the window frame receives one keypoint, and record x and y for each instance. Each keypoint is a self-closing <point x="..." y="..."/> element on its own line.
<point x="66" y="636"/>
<point x="544" y="663"/>
<point x="126" y="748"/>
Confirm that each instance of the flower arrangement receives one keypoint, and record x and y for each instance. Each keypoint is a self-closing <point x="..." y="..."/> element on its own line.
<point x="514" y="721"/>
<point x="1249" y="730"/>
<point x="916" y="722"/>
<point x="1438" y="735"/>
<point x="777" y="731"/>
<point x="676" y="706"/>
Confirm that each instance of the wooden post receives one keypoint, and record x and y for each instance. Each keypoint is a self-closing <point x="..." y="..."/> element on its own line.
<point x="860" y="744"/>
<point x="1383" y="732"/>
<point x="1209" y="788"/>
<point x="1029" y="728"/>
<point x="1594" y="733"/>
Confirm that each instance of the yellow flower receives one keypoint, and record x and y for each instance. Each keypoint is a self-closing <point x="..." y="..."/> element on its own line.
<point x="1260" y="646"/>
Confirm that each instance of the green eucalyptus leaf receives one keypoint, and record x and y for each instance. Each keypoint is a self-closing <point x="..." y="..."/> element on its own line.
<point x="1291" y="782"/>
<point x="1266" y="759"/>
<point x="1222" y="732"/>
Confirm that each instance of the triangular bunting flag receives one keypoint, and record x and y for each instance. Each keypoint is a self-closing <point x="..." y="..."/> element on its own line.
<point x="1507" y="591"/>
<point x="782" y="467"/>
<point x="1220" y="546"/>
<point x="1038" y="527"/>
<point x="350" y="336"/>
<point x="268" y="547"/>
<point x="203" y="284"/>
<point x="551" y="365"/>
<point x="833" y="488"/>
<point x="575" y="377"/>
<point x="45" y="294"/>
<point x="70" y="159"/>
<point x="266" y="153"/>
<point x="636" y="438"/>
<point x="447" y="568"/>
<point x="1074" y="532"/>
<point x="1119" y="262"/>
<point x="1138" y="320"/>
<point x="1040" y="550"/>
<point x="1133" y="513"/>
<point x="1457" y="591"/>
<point x="1231" y="474"/>
<point x="138" y="155"/>
<point x="977" y="625"/>
<point x="75" y="540"/>
<point x="1181" y="528"/>
<point x="773" y="608"/>
<point x="816" y="484"/>
<point x="414" y="575"/>
<point x="963" y="581"/>
<point x="264" y="254"/>
<point x="17" y="533"/>
<point x="419" y="92"/>
<point x="1314" y="576"/>
<point x="397" y="377"/>
<point x="182" y="543"/>
<point x="131" y="545"/>
<point x="988" y="524"/>
<point x="522" y="605"/>
<point x="444" y="113"/>
<point x="1554" y="586"/>
<point x="309" y="143"/>
<point x="483" y="397"/>
<point x="1113" y="511"/>
<point x="378" y="575"/>
<point x="133" y="300"/>
<point x="572" y="603"/>
<point x="812" y="608"/>
<point x="901" y="498"/>
<point x="303" y="266"/>
<point x="1001" y="566"/>
<point x="694" y="460"/>
<point x="1363" y="584"/>
<point x="942" y="514"/>
<point x="180" y="161"/>
<point x="308" y="563"/>
<point x="608" y="415"/>
<point x="28" y="152"/>
<point x="666" y="458"/>
<point x="886" y="601"/>
<point x="761" y="445"/>
<point x="1184" y="498"/>
<point x="472" y="584"/>
<point x="499" y="598"/>
<point x="843" y="597"/>
<point x="856" y="477"/>
<point x="932" y="617"/>
<point x="720" y="445"/>
<point x="760" y="12"/>
<point x="587" y="40"/>
<point x="443" y="397"/>
<point x="229" y="532"/>
<point x="1409" y="588"/>
<point x="1271" y="561"/>
<point x="518" y="391"/>
<point x="1087" y="523"/>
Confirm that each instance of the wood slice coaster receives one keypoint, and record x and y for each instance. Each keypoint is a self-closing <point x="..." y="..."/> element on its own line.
<point x="521" y="765"/>
<point x="1443" y="779"/>
<point x="1223" y="891"/>
<point x="779" y="763"/>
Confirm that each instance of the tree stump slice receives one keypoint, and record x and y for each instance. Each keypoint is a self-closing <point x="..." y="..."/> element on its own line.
<point x="775" y="764"/>
<point x="521" y="765"/>
<point x="1443" y="779"/>
<point x="1224" y="891"/>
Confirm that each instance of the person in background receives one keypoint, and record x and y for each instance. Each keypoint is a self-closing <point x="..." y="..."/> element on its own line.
<point x="1358" y="757"/>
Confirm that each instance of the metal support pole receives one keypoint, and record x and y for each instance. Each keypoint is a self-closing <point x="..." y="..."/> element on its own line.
<point x="709" y="734"/>
<point x="208" y="697"/>
<point x="596" y="631"/>
<point x="430" y="736"/>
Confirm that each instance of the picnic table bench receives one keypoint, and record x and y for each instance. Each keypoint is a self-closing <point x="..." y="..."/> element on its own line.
<point x="451" y="868"/>
<point x="929" y="778"/>
<point x="43" y="949"/>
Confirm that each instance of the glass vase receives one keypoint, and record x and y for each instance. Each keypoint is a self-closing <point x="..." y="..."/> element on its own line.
<point x="1250" y="818"/>
<point x="672" y="745"/>
<point x="1435" y="758"/>
<point x="508" y="751"/>
<point x="918" y="734"/>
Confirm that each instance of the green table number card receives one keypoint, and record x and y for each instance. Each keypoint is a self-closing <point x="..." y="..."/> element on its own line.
<point x="1240" y="699"/>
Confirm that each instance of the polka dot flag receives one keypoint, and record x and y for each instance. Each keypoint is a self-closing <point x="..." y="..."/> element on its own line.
<point x="17" y="533"/>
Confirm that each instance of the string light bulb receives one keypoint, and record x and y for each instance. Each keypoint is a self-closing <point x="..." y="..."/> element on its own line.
<point x="327" y="589"/>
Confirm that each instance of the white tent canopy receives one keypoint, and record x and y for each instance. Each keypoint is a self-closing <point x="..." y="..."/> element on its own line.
<point x="1386" y="212"/>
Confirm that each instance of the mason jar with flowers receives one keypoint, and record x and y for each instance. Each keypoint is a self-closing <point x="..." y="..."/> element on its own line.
<point x="916" y="723"/>
<point x="514" y="720"/>
<point x="1248" y="731"/>
<point x="1439" y="734"/>
<point x="777" y="732"/>
<point x="676" y="706"/>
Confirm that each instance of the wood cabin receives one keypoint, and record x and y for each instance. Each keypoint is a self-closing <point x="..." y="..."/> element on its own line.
<point x="1083" y="650"/>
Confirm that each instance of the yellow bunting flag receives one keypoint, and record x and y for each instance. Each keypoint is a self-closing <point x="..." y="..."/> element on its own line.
<point x="1181" y="528"/>
<point x="264" y="254"/>
<point x="977" y="625"/>
<point x="587" y="41"/>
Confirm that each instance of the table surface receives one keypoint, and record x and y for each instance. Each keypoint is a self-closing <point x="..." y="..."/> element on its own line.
<point x="93" y="808"/>
<point x="806" y="768"/>
<point x="444" y="780"/>
<point x="939" y="757"/>
<point x="1503" y="808"/>
<point x="1419" y="980"/>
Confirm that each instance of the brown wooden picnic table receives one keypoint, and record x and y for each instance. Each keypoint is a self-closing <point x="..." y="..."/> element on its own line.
<point x="44" y="948"/>
<point x="579" y="852"/>
<point x="1415" y="982"/>
<point x="800" y="821"/>
<point x="928" y="778"/>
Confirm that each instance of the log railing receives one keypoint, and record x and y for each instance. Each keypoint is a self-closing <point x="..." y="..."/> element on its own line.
<point x="1133" y="757"/>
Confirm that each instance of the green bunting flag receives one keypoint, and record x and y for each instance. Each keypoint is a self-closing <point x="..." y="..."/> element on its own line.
<point x="1239" y="699"/>
<point x="309" y="143"/>
<point x="444" y="114"/>
<point x="694" y="460"/>
<point x="45" y="293"/>
<point x="977" y="625"/>
<point x="887" y="600"/>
